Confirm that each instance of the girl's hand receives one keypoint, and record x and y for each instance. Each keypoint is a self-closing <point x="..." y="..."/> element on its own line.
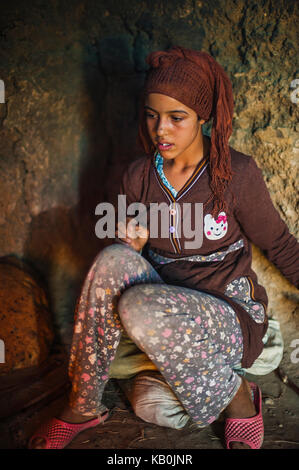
<point x="135" y="236"/>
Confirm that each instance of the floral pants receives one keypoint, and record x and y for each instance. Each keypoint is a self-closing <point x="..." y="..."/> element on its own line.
<point x="193" y="338"/>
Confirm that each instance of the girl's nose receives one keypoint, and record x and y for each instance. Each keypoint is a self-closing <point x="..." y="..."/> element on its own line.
<point x="161" y="127"/>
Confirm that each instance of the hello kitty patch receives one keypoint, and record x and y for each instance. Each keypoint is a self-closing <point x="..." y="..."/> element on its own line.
<point x="215" y="229"/>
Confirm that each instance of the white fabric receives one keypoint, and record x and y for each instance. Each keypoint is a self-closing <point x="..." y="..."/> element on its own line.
<point x="272" y="353"/>
<point x="153" y="400"/>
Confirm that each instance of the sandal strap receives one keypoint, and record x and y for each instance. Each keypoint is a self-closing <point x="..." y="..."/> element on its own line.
<point x="58" y="433"/>
<point x="250" y="431"/>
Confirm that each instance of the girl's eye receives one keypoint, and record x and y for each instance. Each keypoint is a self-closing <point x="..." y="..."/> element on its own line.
<point x="176" y="118"/>
<point x="150" y="115"/>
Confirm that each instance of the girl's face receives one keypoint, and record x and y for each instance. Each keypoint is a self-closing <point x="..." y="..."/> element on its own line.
<point x="174" y="129"/>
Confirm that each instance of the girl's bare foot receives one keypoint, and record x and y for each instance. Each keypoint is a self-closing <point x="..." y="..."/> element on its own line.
<point x="68" y="415"/>
<point x="241" y="406"/>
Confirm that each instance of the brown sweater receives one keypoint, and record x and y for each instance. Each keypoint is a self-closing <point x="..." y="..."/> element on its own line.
<point x="251" y="217"/>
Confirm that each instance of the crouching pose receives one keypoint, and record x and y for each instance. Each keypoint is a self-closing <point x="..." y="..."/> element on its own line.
<point x="197" y="312"/>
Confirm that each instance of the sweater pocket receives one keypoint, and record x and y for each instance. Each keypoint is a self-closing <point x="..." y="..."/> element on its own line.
<point x="241" y="290"/>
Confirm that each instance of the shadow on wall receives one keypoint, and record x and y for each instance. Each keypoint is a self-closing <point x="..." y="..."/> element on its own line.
<point x="62" y="243"/>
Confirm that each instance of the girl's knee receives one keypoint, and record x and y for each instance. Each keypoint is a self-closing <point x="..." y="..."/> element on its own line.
<point x="138" y="308"/>
<point x="114" y="256"/>
<point x="113" y="251"/>
<point x="129" y="304"/>
<point x="135" y="313"/>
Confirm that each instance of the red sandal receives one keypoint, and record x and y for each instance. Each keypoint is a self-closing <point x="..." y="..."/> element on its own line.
<point x="58" y="434"/>
<point x="250" y="431"/>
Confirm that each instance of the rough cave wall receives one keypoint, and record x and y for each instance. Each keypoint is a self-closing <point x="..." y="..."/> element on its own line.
<point x="72" y="71"/>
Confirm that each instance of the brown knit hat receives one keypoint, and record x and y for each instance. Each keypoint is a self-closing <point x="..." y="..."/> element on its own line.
<point x="195" y="79"/>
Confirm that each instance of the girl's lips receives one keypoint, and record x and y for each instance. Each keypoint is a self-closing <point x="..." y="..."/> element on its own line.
<point x="165" y="146"/>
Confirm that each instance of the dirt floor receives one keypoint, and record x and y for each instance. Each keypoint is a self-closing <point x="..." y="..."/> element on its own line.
<point x="31" y="396"/>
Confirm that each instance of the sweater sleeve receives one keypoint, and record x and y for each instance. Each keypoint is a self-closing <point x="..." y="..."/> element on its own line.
<point x="263" y="226"/>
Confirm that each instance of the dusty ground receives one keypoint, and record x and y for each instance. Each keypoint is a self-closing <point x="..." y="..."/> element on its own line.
<point x="44" y="391"/>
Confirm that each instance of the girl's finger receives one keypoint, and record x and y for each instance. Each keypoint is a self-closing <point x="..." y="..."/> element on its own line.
<point x="142" y="232"/>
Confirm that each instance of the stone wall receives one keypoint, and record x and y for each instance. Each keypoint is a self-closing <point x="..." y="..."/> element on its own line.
<point x="72" y="71"/>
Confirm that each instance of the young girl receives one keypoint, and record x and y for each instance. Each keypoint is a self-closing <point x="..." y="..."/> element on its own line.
<point x="197" y="312"/>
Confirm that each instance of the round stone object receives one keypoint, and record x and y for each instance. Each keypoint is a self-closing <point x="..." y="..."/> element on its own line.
<point x="26" y="332"/>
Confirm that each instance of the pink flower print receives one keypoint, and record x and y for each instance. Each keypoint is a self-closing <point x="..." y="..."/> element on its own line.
<point x="173" y="377"/>
<point x="189" y="380"/>
<point x="88" y="339"/>
<point x="126" y="277"/>
<point x="182" y="297"/>
<point x="81" y="315"/>
<point x="91" y="312"/>
<point x="100" y="331"/>
<point x="85" y="377"/>
<point x="198" y="320"/>
<point x="104" y="377"/>
<point x="92" y="357"/>
<point x="81" y="400"/>
<point x="167" y="332"/>
<point x="233" y="338"/>
<point x="166" y="364"/>
<point x="255" y="307"/>
<point x="171" y="344"/>
<point x="204" y="355"/>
